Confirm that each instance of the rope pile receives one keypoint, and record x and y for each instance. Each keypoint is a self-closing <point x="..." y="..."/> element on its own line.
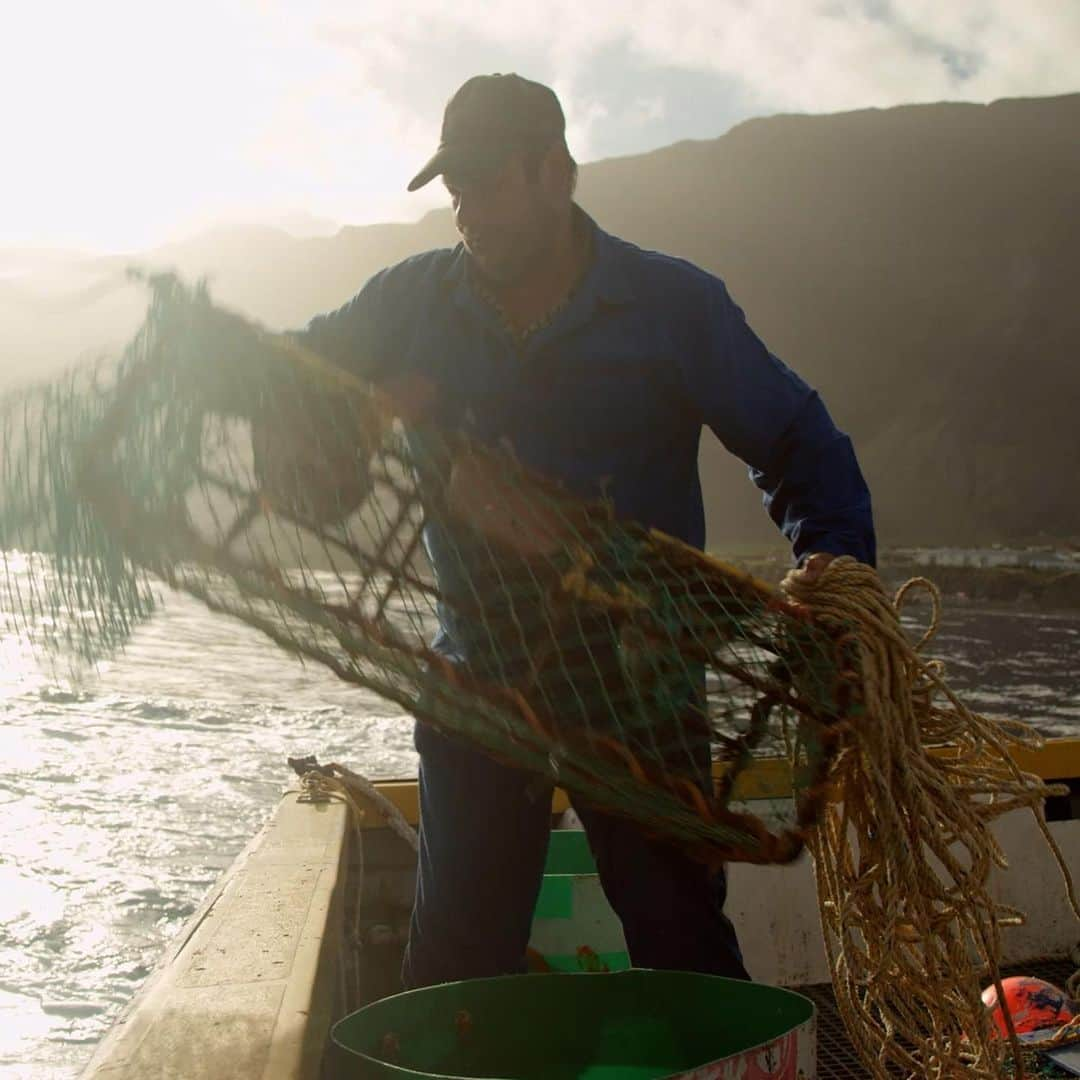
<point x="904" y="853"/>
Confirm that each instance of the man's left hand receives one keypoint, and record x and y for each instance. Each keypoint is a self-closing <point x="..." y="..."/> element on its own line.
<point x="810" y="570"/>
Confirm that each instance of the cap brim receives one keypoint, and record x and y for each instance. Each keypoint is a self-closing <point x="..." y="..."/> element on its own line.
<point x="470" y="159"/>
<point x="429" y="171"/>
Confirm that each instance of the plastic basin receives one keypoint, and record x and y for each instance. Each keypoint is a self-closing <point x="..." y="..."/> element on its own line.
<point x="633" y="1025"/>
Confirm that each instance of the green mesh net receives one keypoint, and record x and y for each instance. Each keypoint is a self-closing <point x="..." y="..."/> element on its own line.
<point x="638" y="673"/>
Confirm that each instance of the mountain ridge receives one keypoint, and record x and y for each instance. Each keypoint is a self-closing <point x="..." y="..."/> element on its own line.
<point x="914" y="263"/>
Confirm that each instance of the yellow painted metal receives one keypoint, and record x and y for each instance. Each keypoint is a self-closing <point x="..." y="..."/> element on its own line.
<point x="1059" y="759"/>
<point x="769" y="778"/>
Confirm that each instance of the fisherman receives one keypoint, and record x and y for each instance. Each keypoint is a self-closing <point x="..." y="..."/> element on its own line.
<point x="599" y="363"/>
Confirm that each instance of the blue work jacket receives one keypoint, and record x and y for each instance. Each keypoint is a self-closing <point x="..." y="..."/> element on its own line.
<point x="610" y="397"/>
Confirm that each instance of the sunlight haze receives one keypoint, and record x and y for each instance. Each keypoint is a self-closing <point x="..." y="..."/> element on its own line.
<point x="128" y="124"/>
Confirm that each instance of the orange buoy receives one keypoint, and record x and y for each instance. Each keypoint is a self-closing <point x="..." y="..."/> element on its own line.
<point x="1034" y="1004"/>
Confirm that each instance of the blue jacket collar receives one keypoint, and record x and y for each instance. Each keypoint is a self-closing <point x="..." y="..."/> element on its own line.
<point x="606" y="282"/>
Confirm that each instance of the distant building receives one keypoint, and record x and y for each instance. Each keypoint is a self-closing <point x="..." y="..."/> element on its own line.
<point x="1029" y="558"/>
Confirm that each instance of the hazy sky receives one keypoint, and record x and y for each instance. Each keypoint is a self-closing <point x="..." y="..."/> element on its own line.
<point x="126" y="122"/>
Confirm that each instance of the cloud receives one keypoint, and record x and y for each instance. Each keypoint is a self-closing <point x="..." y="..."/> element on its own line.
<point x="704" y="63"/>
<point x="138" y="117"/>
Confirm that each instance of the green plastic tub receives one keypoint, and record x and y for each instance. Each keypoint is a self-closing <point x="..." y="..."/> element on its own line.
<point x="634" y="1025"/>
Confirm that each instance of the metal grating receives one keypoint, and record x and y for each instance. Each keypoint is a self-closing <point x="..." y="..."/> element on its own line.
<point x="837" y="1059"/>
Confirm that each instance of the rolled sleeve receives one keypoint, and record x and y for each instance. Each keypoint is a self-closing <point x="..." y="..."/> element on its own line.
<point x="769" y="417"/>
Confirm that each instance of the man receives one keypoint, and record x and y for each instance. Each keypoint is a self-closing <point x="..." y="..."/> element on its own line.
<point x="599" y="363"/>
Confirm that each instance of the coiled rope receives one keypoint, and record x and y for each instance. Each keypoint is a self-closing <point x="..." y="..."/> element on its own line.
<point x="340" y="782"/>
<point x="903" y="857"/>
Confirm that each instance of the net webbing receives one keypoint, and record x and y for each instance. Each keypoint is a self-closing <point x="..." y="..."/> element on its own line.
<point x="355" y="527"/>
<point x="232" y="465"/>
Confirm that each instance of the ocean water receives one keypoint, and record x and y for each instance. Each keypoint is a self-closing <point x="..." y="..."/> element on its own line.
<point x="122" y="799"/>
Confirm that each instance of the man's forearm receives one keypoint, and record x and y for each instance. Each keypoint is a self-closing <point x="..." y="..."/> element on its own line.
<point x="816" y="492"/>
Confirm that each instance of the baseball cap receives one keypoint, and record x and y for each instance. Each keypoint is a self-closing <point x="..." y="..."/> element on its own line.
<point x="488" y="117"/>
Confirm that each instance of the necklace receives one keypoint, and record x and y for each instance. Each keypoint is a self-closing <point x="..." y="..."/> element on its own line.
<point x="522" y="334"/>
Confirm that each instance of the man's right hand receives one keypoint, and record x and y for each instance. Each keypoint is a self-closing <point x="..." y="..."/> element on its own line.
<point x="312" y="451"/>
<point x="319" y="474"/>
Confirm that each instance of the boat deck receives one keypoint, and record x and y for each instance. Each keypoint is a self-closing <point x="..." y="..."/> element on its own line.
<point x="309" y="925"/>
<point x="836" y="1056"/>
<point x="376" y="961"/>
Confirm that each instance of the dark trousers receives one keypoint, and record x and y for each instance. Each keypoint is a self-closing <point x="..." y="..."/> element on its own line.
<point x="483" y="840"/>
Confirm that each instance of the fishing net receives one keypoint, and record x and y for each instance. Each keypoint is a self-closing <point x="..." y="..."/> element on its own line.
<point x="441" y="574"/>
<point x="354" y="529"/>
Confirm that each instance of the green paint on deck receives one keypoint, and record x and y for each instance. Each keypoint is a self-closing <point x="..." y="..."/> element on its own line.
<point x="568" y="857"/>
<point x="556" y="899"/>
<point x="569" y="853"/>
<point x="568" y="865"/>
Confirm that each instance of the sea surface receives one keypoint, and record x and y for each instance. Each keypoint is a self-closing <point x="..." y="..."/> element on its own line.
<point x="124" y="796"/>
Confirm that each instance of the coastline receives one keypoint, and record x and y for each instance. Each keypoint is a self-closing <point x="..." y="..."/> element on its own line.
<point x="1005" y="579"/>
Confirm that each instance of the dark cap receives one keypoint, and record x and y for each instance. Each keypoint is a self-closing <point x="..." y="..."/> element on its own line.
<point x="487" y="118"/>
